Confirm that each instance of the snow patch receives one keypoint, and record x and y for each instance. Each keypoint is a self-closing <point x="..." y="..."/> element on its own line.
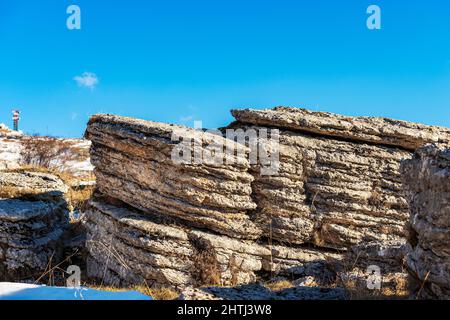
<point x="21" y="291"/>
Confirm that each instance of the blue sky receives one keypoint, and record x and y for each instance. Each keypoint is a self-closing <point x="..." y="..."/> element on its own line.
<point x="179" y="61"/>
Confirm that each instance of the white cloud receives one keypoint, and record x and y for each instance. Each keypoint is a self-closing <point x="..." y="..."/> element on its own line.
<point x="87" y="79"/>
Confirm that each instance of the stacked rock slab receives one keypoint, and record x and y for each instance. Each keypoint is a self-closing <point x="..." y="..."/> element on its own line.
<point x="133" y="163"/>
<point x="200" y="210"/>
<point x="33" y="216"/>
<point x="339" y="182"/>
<point x="157" y="220"/>
<point x="129" y="247"/>
<point x="427" y="178"/>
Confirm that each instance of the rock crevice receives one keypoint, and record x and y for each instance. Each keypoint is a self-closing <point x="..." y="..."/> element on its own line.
<point x="427" y="179"/>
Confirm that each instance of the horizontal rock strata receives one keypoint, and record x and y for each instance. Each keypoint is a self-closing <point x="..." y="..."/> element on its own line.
<point x="33" y="217"/>
<point x="133" y="163"/>
<point x="372" y="130"/>
<point x="427" y="178"/>
<point x="302" y="261"/>
<point x="331" y="193"/>
<point x="127" y="247"/>
<point x="338" y="185"/>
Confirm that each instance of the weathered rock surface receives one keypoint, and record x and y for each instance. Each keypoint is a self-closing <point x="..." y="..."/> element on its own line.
<point x="133" y="163"/>
<point x="224" y="223"/>
<point x="427" y="178"/>
<point x="33" y="216"/>
<point x="127" y="247"/>
<point x="381" y="131"/>
<point x="5" y="132"/>
<point x="258" y="292"/>
<point x="375" y="268"/>
<point x="302" y="261"/>
<point x="331" y="193"/>
<point x="10" y="150"/>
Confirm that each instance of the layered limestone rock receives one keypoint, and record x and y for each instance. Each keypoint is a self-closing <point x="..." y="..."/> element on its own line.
<point x="133" y="162"/>
<point x="427" y="178"/>
<point x="338" y="185"/>
<point x="302" y="261"/>
<point x="10" y="154"/>
<point x="128" y="247"/>
<point x="6" y="132"/>
<point x="33" y="217"/>
<point x="372" y="130"/>
<point x="338" y="182"/>
<point x="376" y="265"/>
<point x="331" y="193"/>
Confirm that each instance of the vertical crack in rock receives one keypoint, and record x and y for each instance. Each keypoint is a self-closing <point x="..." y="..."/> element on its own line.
<point x="427" y="178"/>
<point x="332" y="193"/>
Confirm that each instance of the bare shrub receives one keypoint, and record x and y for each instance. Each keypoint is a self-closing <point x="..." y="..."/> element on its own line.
<point x="51" y="153"/>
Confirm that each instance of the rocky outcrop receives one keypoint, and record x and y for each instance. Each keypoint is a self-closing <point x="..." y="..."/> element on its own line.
<point x="331" y="193"/>
<point x="427" y="178"/>
<point x="33" y="217"/>
<point x="128" y="247"/>
<point x="133" y="163"/>
<point x="5" y="132"/>
<point x="338" y="185"/>
<point x="10" y="154"/>
<point x="371" y="130"/>
<point x="10" y="148"/>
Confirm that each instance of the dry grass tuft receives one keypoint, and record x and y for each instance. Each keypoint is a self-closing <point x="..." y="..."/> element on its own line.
<point x="279" y="285"/>
<point x="394" y="286"/>
<point x="206" y="268"/>
<point x="156" y="293"/>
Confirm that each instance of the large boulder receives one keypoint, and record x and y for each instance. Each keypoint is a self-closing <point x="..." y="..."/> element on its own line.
<point x="339" y="181"/>
<point x="133" y="163"/>
<point x="338" y="185"/>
